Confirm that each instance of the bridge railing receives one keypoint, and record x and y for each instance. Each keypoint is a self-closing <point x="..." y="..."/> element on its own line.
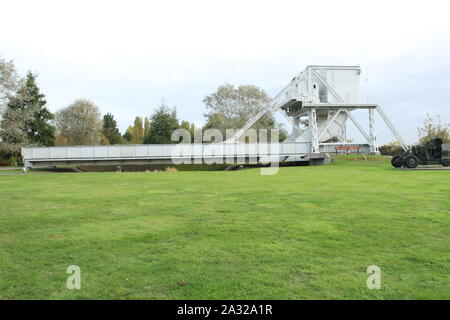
<point x="162" y="151"/>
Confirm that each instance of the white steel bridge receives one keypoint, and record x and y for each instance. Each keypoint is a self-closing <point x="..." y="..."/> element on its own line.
<point x="318" y="102"/>
<point x="165" y="154"/>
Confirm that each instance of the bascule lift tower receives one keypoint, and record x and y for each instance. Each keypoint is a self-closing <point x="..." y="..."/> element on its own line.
<point x="318" y="102"/>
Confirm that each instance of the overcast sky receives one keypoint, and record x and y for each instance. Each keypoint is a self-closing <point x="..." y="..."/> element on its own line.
<point x="127" y="55"/>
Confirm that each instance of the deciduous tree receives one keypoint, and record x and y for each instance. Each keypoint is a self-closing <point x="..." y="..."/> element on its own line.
<point x="80" y="123"/>
<point x="138" y="131"/>
<point x="146" y="126"/>
<point x="9" y="81"/>
<point x="434" y="128"/>
<point x="128" y="136"/>
<point x="230" y="108"/>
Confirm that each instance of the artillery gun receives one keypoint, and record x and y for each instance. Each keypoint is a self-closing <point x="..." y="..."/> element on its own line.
<point x="432" y="152"/>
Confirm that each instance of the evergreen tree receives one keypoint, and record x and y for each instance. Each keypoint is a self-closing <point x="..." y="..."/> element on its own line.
<point x="26" y="112"/>
<point x="110" y="130"/>
<point x="163" y="122"/>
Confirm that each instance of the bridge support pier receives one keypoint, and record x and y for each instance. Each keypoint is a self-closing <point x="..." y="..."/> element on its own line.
<point x="372" y="133"/>
<point x="26" y="166"/>
<point x="313" y="131"/>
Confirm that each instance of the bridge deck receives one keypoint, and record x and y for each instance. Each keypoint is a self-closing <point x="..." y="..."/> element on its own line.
<point x="175" y="153"/>
<point x="161" y="153"/>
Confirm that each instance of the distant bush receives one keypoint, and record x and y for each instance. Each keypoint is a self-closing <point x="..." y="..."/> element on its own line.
<point x="12" y="162"/>
<point x="10" y="150"/>
<point x="391" y="149"/>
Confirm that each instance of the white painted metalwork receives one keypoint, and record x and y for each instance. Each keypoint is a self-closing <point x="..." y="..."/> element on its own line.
<point x="358" y="126"/>
<point x="392" y="128"/>
<point x="329" y="122"/>
<point x="317" y="85"/>
<point x="323" y="97"/>
<point x="372" y="133"/>
<point x="313" y="131"/>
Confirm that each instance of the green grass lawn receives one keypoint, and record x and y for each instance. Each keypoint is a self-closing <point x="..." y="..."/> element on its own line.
<point x="15" y="170"/>
<point x="304" y="233"/>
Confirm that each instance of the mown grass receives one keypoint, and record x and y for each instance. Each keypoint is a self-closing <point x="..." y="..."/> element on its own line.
<point x="4" y="172"/>
<point x="304" y="233"/>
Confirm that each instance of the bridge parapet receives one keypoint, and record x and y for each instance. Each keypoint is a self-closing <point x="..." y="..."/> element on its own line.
<point x="43" y="156"/>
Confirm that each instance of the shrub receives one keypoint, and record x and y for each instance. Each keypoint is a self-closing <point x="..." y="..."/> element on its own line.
<point x="391" y="149"/>
<point x="12" y="162"/>
<point x="10" y="150"/>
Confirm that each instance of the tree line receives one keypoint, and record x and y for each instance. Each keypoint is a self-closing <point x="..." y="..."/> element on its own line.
<point x="26" y="119"/>
<point x="81" y="123"/>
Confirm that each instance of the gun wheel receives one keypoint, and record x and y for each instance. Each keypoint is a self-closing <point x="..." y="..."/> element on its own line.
<point x="410" y="162"/>
<point x="396" y="161"/>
